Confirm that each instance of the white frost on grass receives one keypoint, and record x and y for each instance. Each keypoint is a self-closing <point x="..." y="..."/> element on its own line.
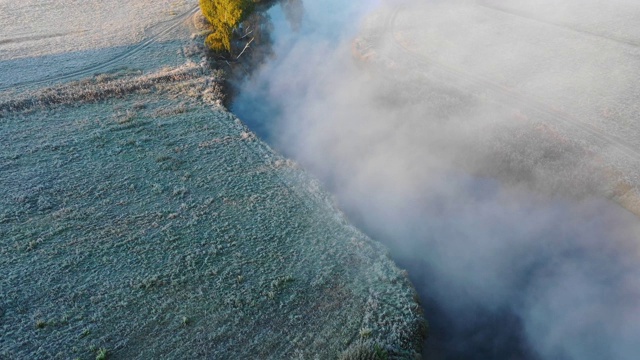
<point x="48" y="40"/>
<point x="36" y="28"/>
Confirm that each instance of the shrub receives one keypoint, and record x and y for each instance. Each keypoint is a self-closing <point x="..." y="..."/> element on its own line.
<point x="224" y="16"/>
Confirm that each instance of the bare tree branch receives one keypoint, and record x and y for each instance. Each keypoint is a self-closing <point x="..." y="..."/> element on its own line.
<point x="246" y="34"/>
<point x="245" y="48"/>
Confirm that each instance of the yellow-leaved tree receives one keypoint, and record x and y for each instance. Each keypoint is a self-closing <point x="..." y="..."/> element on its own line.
<point x="224" y="16"/>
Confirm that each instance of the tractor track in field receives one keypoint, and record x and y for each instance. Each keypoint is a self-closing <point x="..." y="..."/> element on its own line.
<point x="502" y="94"/>
<point x="523" y="15"/>
<point x="90" y="70"/>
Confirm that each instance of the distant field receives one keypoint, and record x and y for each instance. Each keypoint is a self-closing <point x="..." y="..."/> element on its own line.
<point x="554" y="99"/>
<point x="46" y="40"/>
<point x="33" y="28"/>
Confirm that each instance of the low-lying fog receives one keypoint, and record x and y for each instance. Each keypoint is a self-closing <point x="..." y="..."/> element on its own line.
<point x="498" y="211"/>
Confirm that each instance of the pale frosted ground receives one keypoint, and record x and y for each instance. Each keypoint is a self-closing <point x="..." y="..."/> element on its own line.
<point x="44" y="39"/>
<point x="36" y="28"/>
<point x="617" y="19"/>
<point x="593" y="78"/>
<point x="578" y="77"/>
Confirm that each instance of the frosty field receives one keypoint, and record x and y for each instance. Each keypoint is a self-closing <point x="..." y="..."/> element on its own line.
<point x="140" y="219"/>
<point x="48" y="41"/>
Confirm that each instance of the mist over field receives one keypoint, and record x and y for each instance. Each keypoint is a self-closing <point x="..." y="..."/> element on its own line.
<point x="484" y="148"/>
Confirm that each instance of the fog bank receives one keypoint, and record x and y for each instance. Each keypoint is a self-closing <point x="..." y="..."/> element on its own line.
<point x="445" y="143"/>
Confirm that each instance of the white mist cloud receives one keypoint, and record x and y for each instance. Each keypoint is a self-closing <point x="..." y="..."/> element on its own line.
<point x="501" y="209"/>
